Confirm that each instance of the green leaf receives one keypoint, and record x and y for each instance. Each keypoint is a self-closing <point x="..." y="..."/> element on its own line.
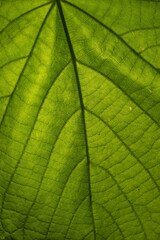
<point x="80" y="120"/>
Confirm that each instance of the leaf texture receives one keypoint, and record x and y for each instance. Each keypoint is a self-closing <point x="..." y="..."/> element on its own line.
<point x="80" y="120"/>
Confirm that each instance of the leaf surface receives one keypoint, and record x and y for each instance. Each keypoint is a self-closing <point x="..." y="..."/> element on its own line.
<point x="80" y="117"/>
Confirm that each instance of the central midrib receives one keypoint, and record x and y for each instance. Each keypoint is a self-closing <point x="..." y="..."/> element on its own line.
<point x="73" y="58"/>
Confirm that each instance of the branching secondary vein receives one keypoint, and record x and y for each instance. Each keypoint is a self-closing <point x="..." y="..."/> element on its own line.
<point x="115" y="34"/>
<point x="12" y="176"/>
<point x="127" y="148"/>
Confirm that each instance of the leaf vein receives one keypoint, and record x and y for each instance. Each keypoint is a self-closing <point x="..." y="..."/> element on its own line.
<point x="115" y="34"/>
<point x="125" y="196"/>
<point x="73" y="57"/>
